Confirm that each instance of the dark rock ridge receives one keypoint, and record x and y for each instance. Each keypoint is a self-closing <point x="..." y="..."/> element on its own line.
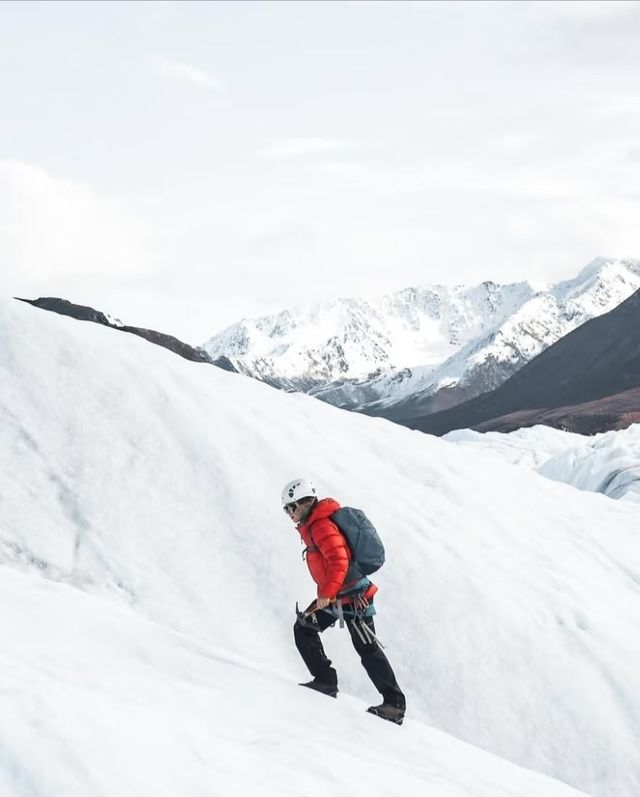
<point x="603" y="415"/>
<point x="585" y="382"/>
<point x="83" y="313"/>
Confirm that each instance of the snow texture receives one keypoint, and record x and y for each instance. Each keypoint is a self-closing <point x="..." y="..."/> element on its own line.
<point x="148" y="575"/>
<point x="607" y="463"/>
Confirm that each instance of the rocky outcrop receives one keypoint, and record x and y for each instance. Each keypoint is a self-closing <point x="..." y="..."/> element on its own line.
<point x="84" y="313"/>
<point x="592" y="417"/>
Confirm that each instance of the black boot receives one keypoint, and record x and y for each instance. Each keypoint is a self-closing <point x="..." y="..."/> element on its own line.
<point x="379" y="670"/>
<point x="392" y="708"/>
<point x="387" y="711"/>
<point x="331" y="690"/>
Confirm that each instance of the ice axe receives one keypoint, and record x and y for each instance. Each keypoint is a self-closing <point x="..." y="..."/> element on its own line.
<point x="307" y="618"/>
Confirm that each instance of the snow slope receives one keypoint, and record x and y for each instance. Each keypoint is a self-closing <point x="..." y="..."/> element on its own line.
<point x="607" y="463"/>
<point x="509" y="604"/>
<point x="97" y="701"/>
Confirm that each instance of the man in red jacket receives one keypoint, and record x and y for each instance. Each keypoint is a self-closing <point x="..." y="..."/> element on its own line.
<point x="328" y="556"/>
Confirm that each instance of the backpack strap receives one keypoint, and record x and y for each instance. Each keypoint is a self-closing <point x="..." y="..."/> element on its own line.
<point x="309" y="548"/>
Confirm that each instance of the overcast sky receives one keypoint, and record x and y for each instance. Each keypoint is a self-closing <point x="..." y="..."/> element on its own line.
<point x="182" y="165"/>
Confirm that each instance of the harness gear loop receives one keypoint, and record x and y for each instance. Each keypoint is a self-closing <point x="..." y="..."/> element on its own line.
<point x="365" y="633"/>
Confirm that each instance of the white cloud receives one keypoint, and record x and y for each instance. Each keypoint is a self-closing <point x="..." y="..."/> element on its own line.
<point x="451" y="114"/>
<point x="512" y="141"/>
<point x="53" y="230"/>
<point x="590" y="9"/>
<point x="613" y="104"/>
<point x="178" y="70"/>
<point x="286" y="148"/>
<point x="347" y="171"/>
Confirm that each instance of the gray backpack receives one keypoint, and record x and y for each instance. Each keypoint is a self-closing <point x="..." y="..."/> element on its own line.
<point x="366" y="546"/>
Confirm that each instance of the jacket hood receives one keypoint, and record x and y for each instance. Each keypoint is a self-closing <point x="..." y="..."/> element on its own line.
<point x="323" y="509"/>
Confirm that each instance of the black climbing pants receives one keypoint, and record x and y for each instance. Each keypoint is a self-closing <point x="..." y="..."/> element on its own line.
<point x="371" y="655"/>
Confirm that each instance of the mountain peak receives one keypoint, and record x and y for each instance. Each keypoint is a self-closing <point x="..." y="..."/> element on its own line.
<point x="381" y="352"/>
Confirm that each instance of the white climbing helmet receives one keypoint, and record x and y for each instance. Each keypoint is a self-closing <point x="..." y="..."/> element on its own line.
<point x="297" y="489"/>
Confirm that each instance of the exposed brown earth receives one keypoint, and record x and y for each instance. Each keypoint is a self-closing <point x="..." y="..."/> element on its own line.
<point x="611" y="413"/>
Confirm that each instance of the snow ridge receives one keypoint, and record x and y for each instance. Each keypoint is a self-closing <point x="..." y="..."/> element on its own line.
<point x="606" y="463"/>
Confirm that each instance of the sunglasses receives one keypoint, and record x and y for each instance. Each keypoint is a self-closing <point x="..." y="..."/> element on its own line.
<point x="291" y="508"/>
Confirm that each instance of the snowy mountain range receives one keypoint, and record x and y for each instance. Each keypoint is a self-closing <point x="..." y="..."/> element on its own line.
<point x="587" y="382"/>
<point x="430" y="347"/>
<point x="149" y="577"/>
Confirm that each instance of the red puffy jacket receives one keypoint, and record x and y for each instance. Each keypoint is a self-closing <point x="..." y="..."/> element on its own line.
<point x="328" y="554"/>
